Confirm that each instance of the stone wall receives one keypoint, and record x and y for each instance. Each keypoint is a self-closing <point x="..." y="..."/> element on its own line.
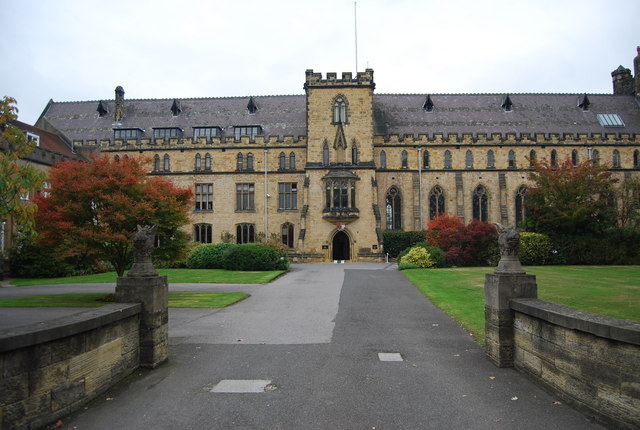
<point x="46" y="373"/>
<point x="590" y="361"/>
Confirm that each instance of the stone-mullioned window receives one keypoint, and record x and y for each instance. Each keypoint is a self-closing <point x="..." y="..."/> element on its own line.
<point x="287" y="195"/>
<point x="245" y="197"/>
<point x="204" y="197"/>
<point x="203" y="233"/>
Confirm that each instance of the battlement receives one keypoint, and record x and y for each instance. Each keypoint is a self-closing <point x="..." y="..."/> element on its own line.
<point x="581" y="139"/>
<point x="362" y="79"/>
<point x="189" y="143"/>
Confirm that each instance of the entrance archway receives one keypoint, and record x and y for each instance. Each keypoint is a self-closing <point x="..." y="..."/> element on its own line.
<point x="341" y="246"/>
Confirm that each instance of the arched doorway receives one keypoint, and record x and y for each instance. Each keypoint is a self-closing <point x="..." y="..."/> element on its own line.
<point x="341" y="246"/>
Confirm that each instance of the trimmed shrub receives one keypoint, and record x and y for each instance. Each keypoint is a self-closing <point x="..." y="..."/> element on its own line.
<point x="254" y="256"/>
<point x="437" y="254"/>
<point x="417" y="256"/>
<point x="534" y="248"/>
<point x="208" y="256"/>
<point x="395" y="242"/>
<point x="472" y="245"/>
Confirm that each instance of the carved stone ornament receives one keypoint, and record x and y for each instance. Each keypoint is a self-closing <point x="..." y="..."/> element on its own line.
<point x="509" y="243"/>
<point x="142" y="251"/>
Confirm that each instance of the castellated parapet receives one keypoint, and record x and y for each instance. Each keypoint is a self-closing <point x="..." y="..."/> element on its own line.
<point x="363" y="79"/>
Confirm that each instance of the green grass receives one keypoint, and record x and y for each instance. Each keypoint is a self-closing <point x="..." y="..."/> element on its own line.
<point x="93" y="300"/>
<point x="180" y="276"/>
<point x="607" y="290"/>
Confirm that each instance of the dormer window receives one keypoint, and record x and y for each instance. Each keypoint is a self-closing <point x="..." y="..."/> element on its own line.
<point x="103" y="109"/>
<point x="428" y="104"/>
<point x="176" y="107"/>
<point x="584" y="103"/>
<point x="339" y="111"/>
<point x="250" y="131"/>
<point x="127" y="133"/>
<point x="507" y="104"/>
<point x="166" y="133"/>
<point x="31" y="137"/>
<point x="206" y="132"/>
<point x="252" y="107"/>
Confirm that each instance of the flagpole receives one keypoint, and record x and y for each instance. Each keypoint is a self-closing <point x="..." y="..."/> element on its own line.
<point x="355" y="25"/>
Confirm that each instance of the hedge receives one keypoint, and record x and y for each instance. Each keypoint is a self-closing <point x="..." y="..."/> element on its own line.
<point x="394" y="242"/>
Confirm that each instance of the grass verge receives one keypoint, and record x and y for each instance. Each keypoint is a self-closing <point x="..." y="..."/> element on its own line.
<point x="176" y="276"/>
<point x="93" y="300"/>
<point x="606" y="290"/>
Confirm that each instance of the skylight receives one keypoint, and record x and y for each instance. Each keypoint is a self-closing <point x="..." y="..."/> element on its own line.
<point x="610" y="120"/>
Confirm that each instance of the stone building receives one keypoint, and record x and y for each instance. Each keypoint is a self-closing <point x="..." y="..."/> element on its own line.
<point x="330" y="170"/>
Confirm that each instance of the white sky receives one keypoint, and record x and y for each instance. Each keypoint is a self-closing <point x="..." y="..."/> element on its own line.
<point x="69" y="50"/>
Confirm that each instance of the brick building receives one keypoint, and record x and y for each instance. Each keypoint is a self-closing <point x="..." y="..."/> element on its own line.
<point x="330" y="170"/>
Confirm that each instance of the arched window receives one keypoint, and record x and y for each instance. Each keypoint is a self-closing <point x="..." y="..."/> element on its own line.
<point x="491" y="161"/>
<point x="156" y="163"/>
<point x="207" y="162"/>
<point x="480" y="202"/>
<point x="292" y="161"/>
<point x="447" y="159"/>
<point x="198" y="162"/>
<point x="167" y="164"/>
<point x="325" y="155"/>
<point x="116" y="158"/>
<point x="202" y="233"/>
<point x="354" y="154"/>
<point x="469" y="159"/>
<point x="595" y="156"/>
<point x="239" y="161"/>
<point x="616" y="159"/>
<point x="636" y="159"/>
<point x="574" y="157"/>
<point x="245" y="233"/>
<point x="383" y="160"/>
<point x="394" y="209"/>
<point x="520" y="214"/>
<point x="512" y="159"/>
<point x="436" y="202"/>
<point x="282" y="158"/>
<point x="554" y="158"/>
<point x="532" y="158"/>
<point x="405" y="159"/>
<point x="249" y="161"/>
<point x="425" y="160"/>
<point x="287" y="234"/>
<point x="340" y="110"/>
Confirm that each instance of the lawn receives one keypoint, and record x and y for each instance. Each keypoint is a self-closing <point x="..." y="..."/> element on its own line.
<point x="607" y="290"/>
<point x="92" y="300"/>
<point x="178" y="276"/>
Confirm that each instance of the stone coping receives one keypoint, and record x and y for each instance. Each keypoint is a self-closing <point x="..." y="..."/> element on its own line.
<point x="37" y="333"/>
<point x="599" y="325"/>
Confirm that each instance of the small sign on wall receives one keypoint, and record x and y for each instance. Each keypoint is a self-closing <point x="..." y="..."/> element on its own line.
<point x="374" y="246"/>
<point x="325" y="246"/>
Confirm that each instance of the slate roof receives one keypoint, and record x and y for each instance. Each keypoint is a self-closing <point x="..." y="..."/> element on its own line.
<point x="393" y="114"/>
<point x="48" y="141"/>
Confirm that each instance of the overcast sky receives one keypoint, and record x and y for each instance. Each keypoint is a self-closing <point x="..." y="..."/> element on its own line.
<point x="69" y="50"/>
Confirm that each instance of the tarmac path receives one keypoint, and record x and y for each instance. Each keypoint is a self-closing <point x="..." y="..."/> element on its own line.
<point x="309" y="345"/>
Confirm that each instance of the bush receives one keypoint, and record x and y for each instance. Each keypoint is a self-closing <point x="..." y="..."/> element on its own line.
<point x="28" y="260"/>
<point x="437" y="254"/>
<point x="395" y="242"/>
<point x="534" y="248"/>
<point x="253" y="256"/>
<point x="472" y="245"/>
<point x="417" y="256"/>
<point x="614" y="246"/>
<point x="207" y="256"/>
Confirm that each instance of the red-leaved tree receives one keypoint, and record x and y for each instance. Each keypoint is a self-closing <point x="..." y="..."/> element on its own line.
<point x="463" y="245"/>
<point x="93" y="208"/>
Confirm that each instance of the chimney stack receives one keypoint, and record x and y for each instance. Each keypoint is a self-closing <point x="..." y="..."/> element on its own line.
<point x="622" y="81"/>
<point x="119" y="111"/>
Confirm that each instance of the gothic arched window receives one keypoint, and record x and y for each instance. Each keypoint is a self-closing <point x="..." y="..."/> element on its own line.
<point x="469" y="159"/>
<point x="198" y="162"/>
<point x="574" y="158"/>
<point x="239" y="161"/>
<point x="394" y="209"/>
<point x="354" y="154"/>
<point x="156" y="163"/>
<point x="292" y="161"/>
<point x="249" y="161"/>
<point x="282" y="161"/>
<point x="202" y="233"/>
<point x="405" y="159"/>
<point x="554" y="158"/>
<point x="207" y="162"/>
<point x="340" y="110"/>
<point x="512" y="159"/>
<point x="491" y="160"/>
<point x="595" y="156"/>
<point x="325" y="155"/>
<point x="520" y="212"/>
<point x="245" y="233"/>
<point x="436" y="202"/>
<point x="636" y="159"/>
<point x="480" y="202"/>
<point x="287" y="234"/>
<point x="616" y="159"/>
<point x="447" y="159"/>
<point x="383" y="160"/>
<point x="167" y="165"/>
<point x="532" y="158"/>
<point x="425" y="160"/>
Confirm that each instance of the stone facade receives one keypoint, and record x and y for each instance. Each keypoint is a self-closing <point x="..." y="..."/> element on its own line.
<point x="328" y="172"/>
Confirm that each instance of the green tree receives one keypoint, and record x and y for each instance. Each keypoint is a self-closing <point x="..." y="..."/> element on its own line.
<point x="16" y="176"/>
<point x="93" y="209"/>
<point x="628" y="196"/>
<point x="570" y="200"/>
